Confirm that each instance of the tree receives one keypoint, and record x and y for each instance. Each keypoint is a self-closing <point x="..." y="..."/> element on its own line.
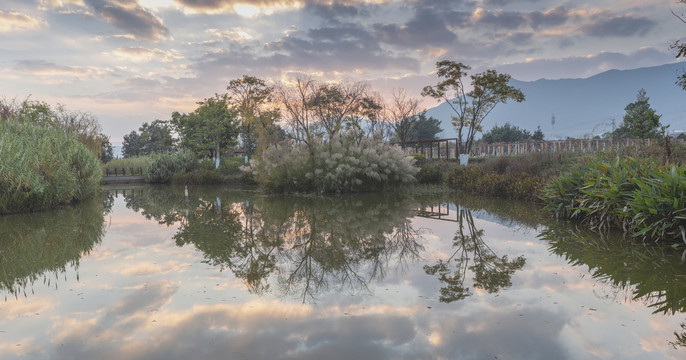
<point x="131" y="146"/>
<point x="106" y="151"/>
<point x="339" y="105"/>
<point x="489" y="88"/>
<point x="211" y="127"/>
<point x="155" y="137"/>
<point x="538" y="134"/>
<point x="507" y="133"/>
<point x="680" y="47"/>
<point x="426" y="128"/>
<point x="251" y="98"/>
<point x="401" y="115"/>
<point x="640" y="120"/>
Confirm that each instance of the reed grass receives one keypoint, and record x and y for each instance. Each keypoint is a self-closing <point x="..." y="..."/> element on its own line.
<point x="43" y="167"/>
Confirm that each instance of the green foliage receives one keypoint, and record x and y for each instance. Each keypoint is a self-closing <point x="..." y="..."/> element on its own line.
<point x="507" y="133"/>
<point x="640" y="120"/>
<point x="425" y="128"/>
<point x="348" y="163"/>
<point x="211" y="128"/>
<point x="470" y="108"/>
<point x="638" y="196"/>
<point x="162" y="167"/>
<point x="134" y="162"/>
<point x="106" y="151"/>
<point x="430" y="174"/>
<point x="153" y="138"/>
<point x="43" y="167"/>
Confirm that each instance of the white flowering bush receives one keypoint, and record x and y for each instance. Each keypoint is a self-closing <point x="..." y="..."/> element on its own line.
<point x="347" y="163"/>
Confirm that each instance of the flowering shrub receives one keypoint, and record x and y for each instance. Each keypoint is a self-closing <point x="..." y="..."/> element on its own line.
<point x="347" y="163"/>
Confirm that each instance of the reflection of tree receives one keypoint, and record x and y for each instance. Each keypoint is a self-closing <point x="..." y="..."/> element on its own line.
<point x="44" y="244"/>
<point x="653" y="274"/>
<point x="490" y="272"/>
<point x="309" y="244"/>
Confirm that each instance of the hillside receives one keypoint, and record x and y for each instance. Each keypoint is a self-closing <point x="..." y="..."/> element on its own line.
<point x="585" y="107"/>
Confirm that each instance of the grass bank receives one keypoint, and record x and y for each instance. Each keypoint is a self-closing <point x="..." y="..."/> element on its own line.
<point x="42" y="167"/>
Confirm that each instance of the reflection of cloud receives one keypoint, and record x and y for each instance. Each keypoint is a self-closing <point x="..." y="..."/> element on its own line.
<point x="12" y="309"/>
<point x="15" y="22"/>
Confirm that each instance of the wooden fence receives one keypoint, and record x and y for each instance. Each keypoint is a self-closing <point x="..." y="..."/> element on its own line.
<point x="446" y="148"/>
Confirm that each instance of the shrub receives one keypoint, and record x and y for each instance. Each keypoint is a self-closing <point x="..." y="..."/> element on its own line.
<point x="162" y="167"/>
<point x="476" y="180"/>
<point x="347" y="163"/>
<point x="43" y="167"/>
<point x="430" y="174"/>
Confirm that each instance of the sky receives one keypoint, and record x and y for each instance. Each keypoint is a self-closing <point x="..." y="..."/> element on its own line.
<point x="134" y="61"/>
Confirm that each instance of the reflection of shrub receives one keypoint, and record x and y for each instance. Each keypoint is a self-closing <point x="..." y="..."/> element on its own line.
<point x="348" y="163"/>
<point x="162" y="167"/>
<point x="43" y="167"/>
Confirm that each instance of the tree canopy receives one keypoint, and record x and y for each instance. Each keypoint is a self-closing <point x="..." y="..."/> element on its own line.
<point x="470" y="108"/>
<point x="640" y="120"/>
<point x="155" y="137"/>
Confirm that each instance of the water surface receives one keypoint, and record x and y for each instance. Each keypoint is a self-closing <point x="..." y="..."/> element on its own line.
<point x="234" y="274"/>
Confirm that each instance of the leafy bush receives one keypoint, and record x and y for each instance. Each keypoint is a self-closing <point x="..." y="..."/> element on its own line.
<point x="347" y="163"/>
<point x="638" y="196"/>
<point x="43" y="167"/>
<point x="430" y="174"/>
<point x="162" y="167"/>
<point x="205" y="177"/>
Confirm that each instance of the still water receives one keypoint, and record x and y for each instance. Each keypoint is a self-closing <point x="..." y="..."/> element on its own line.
<point x="235" y="274"/>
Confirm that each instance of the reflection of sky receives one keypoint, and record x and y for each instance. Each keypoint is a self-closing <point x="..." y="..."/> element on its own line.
<point x="139" y="296"/>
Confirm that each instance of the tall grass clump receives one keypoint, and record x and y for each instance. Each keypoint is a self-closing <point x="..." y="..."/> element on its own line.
<point x="347" y="163"/>
<point x="42" y="167"/>
<point x="162" y="167"/>
<point x="639" y="196"/>
<point x="134" y="162"/>
<point x="476" y="180"/>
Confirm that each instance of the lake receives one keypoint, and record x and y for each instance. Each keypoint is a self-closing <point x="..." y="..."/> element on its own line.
<point x="228" y="273"/>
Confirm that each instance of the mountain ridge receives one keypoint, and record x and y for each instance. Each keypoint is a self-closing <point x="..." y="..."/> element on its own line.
<point x="585" y="106"/>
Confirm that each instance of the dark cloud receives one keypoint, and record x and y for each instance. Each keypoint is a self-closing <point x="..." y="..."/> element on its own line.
<point x="425" y="28"/>
<point x="127" y="15"/>
<point x="498" y="19"/>
<point x="505" y="2"/>
<point x="619" y="26"/>
<point x="336" y="9"/>
<point x="554" y="17"/>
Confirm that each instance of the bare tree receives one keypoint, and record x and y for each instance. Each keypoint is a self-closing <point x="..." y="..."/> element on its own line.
<point x="401" y="114"/>
<point x="295" y="100"/>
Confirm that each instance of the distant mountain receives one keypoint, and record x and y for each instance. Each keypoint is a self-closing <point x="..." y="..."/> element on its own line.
<point x="588" y="106"/>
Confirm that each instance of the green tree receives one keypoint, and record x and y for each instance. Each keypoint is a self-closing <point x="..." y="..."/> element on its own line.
<point x="252" y="99"/>
<point x="507" y="133"/>
<point x="640" y="120"/>
<point x="106" y="150"/>
<point x="210" y="129"/>
<point x="538" y="134"/>
<point x="426" y="128"/>
<point x="131" y="146"/>
<point x="470" y="108"/>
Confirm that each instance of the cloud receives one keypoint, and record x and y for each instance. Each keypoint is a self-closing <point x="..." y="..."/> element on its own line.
<point x="619" y="26"/>
<point x="140" y="54"/>
<point x="16" y="22"/>
<point x="47" y="69"/>
<point x="425" y="28"/>
<point x="129" y="16"/>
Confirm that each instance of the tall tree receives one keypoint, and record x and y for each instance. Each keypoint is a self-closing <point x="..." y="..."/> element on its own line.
<point x="253" y="100"/>
<point x="489" y="88"/>
<point x="132" y="145"/>
<point x="336" y="105"/>
<point x="210" y="129"/>
<point x="640" y="120"/>
<point x="426" y="128"/>
<point x="106" y="150"/>
<point x="155" y="137"/>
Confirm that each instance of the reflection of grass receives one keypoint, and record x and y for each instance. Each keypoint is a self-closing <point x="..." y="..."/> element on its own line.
<point x="36" y="244"/>
<point x="654" y="274"/>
